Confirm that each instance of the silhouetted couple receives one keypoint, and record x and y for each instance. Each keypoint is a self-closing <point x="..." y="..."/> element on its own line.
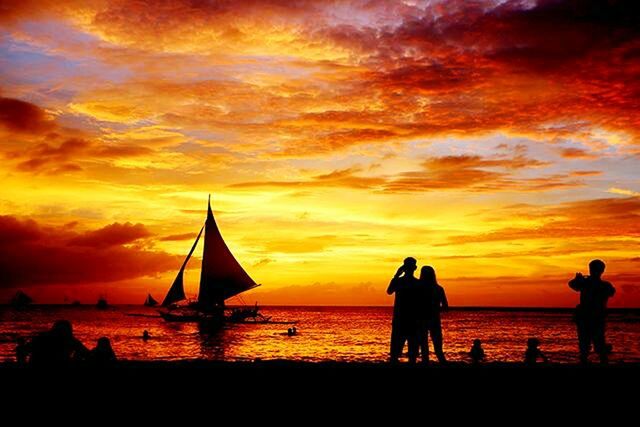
<point x="591" y="312"/>
<point x="416" y="312"/>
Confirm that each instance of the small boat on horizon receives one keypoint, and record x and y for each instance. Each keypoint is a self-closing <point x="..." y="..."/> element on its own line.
<point x="150" y="301"/>
<point x="102" y="303"/>
<point x="221" y="277"/>
<point x="20" y="300"/>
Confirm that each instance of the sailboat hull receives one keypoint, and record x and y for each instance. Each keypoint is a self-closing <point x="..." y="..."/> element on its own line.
<point x="192" y="317"/>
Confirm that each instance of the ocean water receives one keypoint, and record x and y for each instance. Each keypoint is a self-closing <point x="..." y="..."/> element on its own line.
<point x="324" y="333"/>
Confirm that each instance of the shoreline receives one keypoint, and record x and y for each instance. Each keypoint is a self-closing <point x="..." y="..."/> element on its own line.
<point x="296" y="364"/>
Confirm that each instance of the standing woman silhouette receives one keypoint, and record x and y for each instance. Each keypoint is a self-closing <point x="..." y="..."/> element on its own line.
<point x="434" y="301"/>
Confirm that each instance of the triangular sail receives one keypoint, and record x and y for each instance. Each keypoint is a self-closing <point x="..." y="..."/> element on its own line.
<point x="176" y="292"/>
<point x="222" y="276"/>
<point x="150" y="301"/>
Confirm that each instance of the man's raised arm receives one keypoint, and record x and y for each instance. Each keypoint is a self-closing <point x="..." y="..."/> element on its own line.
<point x="577" y="283"/>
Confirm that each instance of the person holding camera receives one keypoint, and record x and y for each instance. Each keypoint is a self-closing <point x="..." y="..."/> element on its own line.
<point x="404" y="326"/>
<point x="591" y="312"/>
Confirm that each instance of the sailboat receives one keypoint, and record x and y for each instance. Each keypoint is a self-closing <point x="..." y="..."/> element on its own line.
<point x="102" y="303"/>
<point x="221" y="277"/>
<point x="150" y="301"/>
<point x="20" y="300"/>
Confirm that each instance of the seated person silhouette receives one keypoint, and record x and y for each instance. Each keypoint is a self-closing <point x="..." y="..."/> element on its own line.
<point x="145" y="335"/>
<point x="533" y="353"/>
<point x="56" y="346"/>
<point x="22" y="351"/>
<point x="290" y="332"/>
<point x="590" y="315"/>
<point x="103" y="352"/>
<point x="477" y="352"/>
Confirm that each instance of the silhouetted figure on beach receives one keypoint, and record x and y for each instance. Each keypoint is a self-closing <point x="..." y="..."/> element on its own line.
<point x="290" y="332"/>
<point x="295" y="331"/>
<point x="404" y="326"/>
<point x="533" y="352"/>
<point x="591" y="313"/>
<point x="103" y="352"/>
<point x="145" y="335"/>
<point x="57" y="345"/>
<point x="477" y="352"/>
<point x="22" y="351"/>
<point x="433" y="300"/>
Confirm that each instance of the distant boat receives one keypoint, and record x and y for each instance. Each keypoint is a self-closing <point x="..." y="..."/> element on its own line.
<point x="20" y="300"/>
<point x="74" y="302"/>
<point x="102" y="303"/>
<point x="221" y="277"/>
<point x="150" y="302"/>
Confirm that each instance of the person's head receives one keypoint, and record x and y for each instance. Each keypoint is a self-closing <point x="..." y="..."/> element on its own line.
<point x="62" y="328"/>
<point x="477" y="343"/>
<point x="428" y="274"/>
<point x="533" y="343"/>
<point x="596" y="267"/>
<point x="409" y="265"/>
<point x="104" y="343"/>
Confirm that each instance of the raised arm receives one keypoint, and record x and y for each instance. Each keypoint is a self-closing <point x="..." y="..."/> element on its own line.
<point x="393" y="285"/>
<point x="577" y="283"/>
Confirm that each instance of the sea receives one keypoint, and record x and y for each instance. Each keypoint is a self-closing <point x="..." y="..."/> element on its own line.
<point x="346" y="334"/>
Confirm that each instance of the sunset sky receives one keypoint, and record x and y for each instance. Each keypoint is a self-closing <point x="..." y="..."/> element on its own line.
<point x="497" y="141"/>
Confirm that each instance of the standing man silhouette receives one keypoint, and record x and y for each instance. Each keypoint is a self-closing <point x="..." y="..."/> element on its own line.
<point x="592" y="310"/>
<point x="404" y="324"/>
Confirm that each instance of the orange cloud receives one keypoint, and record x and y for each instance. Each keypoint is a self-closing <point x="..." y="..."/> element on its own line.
<point x="178" y="237"/>
<point x="587" y="219"/>
<point x="577" y="153"/>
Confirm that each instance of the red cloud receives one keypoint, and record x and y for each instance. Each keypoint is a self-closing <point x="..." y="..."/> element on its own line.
<point x="23" y="117"/>
<point x="576" y="153"/>
<point x="31" y="254"/>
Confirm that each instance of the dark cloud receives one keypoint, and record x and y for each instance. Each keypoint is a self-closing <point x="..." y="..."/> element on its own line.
<point x="23" y="117"/>
<point x="31" y="254"/>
